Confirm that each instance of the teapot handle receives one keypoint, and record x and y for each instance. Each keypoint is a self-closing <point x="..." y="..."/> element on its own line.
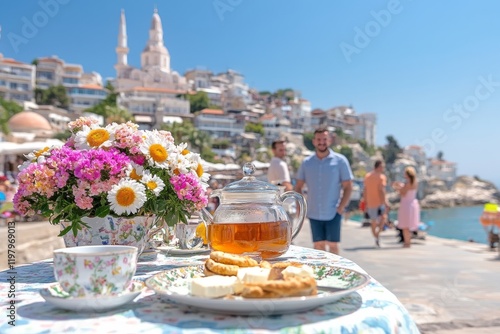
<point x="298" y="221"/>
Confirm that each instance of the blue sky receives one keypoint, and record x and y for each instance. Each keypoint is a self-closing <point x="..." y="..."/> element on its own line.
<point x="429" y="70"/>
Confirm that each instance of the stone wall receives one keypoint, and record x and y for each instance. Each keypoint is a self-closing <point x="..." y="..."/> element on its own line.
<point x="34" y="241"/>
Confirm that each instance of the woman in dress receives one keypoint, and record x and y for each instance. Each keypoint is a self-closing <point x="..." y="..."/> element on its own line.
<point x="409" y="209"/>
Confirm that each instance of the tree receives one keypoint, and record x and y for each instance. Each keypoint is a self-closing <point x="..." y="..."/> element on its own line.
<point x="308" y="140"/>
<point x="7" y="110"/>
<point x="369" y="149"/>
<point x="108" y="108"/>
<point x="391" y="150"/>
<point x="440" y="156"/>
<point x="198" y="101"/>
<point x="199" y="141"/>
<point x="54" y="96"/>
<point x="347" y="152"/>
<point x="255" y="128"/>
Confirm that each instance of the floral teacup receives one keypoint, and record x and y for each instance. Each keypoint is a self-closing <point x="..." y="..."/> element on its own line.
<point x="95" y="270"/>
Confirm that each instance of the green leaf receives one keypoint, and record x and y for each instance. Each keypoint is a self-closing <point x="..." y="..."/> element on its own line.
<point x="74" y="227"/>
<point x="65" y="230"/>
<point x="102" y="211"/>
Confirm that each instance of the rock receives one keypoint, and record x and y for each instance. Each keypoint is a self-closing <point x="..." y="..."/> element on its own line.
<point x="434" y="185"/>
<point x="465" y="191"/>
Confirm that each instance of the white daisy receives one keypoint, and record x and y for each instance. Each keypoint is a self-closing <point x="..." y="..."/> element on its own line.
<point x="198" y="166"/>
<point x="127" y="196"/>
<point x="156" y="149"/>
<point x="153" y="183"/>
<point x="135" y="171"/>
<point x="37" y="156"/>
<point x="94" y="137"/>
<point x="179" y="163"/>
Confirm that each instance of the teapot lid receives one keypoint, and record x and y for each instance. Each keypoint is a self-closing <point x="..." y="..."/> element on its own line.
<point x="249" y="184"/>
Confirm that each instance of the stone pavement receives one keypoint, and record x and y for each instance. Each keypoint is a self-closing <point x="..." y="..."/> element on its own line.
<point x="448" y="286"/>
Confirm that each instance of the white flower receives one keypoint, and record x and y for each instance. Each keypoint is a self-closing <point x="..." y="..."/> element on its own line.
<point x="135" y="171"/>
<point x="157" y="149"/>
<point x="198" y="166"/>
<point x="127" y="196"/>
<point x="153" y="183"/>
<point x="94" y="137"/>
<point x="179" y="163"/>
<point x="37" y="156"/>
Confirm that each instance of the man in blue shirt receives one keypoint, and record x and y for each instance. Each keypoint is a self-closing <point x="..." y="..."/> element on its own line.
<point x="328" y="177"/>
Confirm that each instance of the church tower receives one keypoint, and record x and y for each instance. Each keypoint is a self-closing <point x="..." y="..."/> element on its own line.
<point x="121" y="49"/>
<point x="155" y="54"/>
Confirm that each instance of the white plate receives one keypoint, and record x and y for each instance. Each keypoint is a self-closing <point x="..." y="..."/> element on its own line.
<point x="174" y="284"/>
<point x="178" y="251"/>
<point x="55" y="295"/>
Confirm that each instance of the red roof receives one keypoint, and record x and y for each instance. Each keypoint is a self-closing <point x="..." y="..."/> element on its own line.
<point x="11" y="61"/>
<point x="213" y="111"/>
<point x="441" y="162"/>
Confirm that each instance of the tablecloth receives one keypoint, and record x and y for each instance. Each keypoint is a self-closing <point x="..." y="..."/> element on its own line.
<point x="371" y="309"/>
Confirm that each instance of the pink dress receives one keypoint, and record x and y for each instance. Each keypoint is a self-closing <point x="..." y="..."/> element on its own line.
<point x="409" y="211"/>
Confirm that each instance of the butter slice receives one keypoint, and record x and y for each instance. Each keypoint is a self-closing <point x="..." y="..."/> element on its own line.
<point x="302" y="272"/>
<point x="253" y="274"/>
<point x="215" y="286"/>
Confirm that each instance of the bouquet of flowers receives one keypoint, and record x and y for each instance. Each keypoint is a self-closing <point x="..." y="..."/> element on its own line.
<point x="113" y="170"/>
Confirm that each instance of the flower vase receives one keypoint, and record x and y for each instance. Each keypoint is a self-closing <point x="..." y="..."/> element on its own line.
<point x="109" y="230"/>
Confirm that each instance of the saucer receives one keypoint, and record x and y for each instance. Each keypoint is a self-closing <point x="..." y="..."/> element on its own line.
<point x="175" y="250"/>
<point x="56" y="296"/>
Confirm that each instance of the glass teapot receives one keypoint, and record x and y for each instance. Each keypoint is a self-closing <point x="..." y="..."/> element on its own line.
<point x="251" y="218"/>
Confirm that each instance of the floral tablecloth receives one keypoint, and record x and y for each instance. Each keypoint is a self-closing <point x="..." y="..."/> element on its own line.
<point x="372" y="309"/>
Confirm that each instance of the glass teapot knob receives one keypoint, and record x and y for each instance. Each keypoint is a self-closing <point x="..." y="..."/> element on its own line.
<point x="248" y="169"/>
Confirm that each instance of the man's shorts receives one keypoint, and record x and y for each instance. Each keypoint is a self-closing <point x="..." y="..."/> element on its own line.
<point x="328" y="230"/>
<point x="375" y="213"/>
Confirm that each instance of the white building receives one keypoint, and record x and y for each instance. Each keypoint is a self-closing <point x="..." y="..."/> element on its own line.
<point x="152" y="107"/>
<point x="17" y="80"/>
<point x="149" y="92"/>
<point x="365" y="127"/>
<point x="417" y="153"/>
<point x="300" y="115"/>
<point x="198" y="78"/>
<point x="84" y="89"/>
<point x="218" y="124"/>
<point x="442" y="170"/>
<point x="274" y="127"/>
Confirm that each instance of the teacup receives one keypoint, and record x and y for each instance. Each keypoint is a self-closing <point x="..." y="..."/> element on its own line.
<point x="186" y="234"/>
<point x="95" y="270"/>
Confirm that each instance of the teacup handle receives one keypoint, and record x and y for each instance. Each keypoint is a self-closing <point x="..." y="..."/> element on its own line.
<point x="299" y="219"/>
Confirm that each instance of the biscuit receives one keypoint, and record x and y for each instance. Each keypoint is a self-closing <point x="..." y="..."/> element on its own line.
<point x="294" y="287"/>
<point x="221" y="269"/>
<point x="265" y="264"/>
<point x="233" y="259"/>
<point x="278" y="267"/>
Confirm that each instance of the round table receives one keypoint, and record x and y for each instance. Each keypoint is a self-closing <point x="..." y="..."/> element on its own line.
<point x="372" y="308"/>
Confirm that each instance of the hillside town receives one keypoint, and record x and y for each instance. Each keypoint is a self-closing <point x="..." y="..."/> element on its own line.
<point x="155" y="95"/>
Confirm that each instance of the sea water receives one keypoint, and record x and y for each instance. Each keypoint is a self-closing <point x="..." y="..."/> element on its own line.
<point x="461" y="223"/>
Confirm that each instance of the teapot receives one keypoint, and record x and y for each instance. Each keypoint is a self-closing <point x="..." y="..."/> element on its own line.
<point x="251" y="218"/>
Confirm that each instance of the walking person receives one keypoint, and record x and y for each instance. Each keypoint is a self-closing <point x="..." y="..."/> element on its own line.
<point x="328" y="177"/>
<point x="278" y="172"/>
<point x="409" y="208"/>
<point x="374" y="196"/>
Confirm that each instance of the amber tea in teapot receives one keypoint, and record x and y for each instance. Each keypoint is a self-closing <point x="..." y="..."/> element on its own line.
<point x="251" y="218"/>
<point x="269" y="239"/>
